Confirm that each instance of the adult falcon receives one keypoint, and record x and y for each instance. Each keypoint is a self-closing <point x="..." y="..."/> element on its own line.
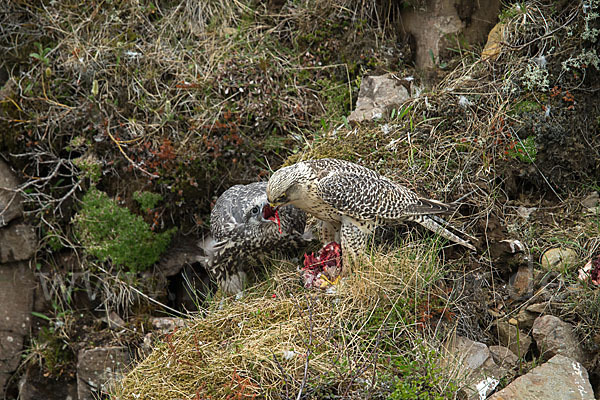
<point x="352" y="200"/>
<point x="243" y="228"/>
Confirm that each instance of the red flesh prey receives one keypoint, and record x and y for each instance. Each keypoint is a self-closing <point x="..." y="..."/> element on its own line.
<point x="278" y="221"/>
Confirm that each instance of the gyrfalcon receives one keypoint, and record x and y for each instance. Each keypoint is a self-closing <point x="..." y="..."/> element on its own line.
<point x="243" y="228"/>
<point x="352" y="200"/>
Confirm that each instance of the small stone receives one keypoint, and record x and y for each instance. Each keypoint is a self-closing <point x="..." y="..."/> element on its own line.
<point x="525" y="319"/>
<point x="516" y="340"/>
<point x="17" y="243"/>
<point x="554" y="336"/>
<point x="539" y="308"/>
<point x="559" y="259"/>
<point x="521" y="283"/>
<point x="114" y="321"/>
<point x="561" y="378"/>
<point x="166" y="325"/>
<point x="98" y="369"/>
<point x="11" y="202"/>
<point x="378" y="95"/>
<point x="592" y="203"/>
<point x="504" y="357"/>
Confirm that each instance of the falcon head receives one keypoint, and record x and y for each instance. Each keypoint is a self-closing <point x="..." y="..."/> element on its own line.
<point x="285" y="185"/>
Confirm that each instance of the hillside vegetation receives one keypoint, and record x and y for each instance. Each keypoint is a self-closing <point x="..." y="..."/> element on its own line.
<point x="148" y="111"/>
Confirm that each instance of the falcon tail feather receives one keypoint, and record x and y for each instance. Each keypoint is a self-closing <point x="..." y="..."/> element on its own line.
<point x="438" y="225"/>
<point x="428" y="207"/>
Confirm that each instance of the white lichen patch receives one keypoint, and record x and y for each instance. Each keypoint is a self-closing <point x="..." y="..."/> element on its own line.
<point x="486" y="386"/>
<point x="579" y="371"/>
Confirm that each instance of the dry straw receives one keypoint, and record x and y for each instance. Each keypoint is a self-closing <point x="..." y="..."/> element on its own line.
<point x="282" y="341"/>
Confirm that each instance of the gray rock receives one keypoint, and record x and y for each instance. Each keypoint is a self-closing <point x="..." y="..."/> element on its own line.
<point x="561" y="378"/>
<point x="525" y="318"/>
<point x="475" y="368"/>
<point x="539" y="308"/>
<point x="10" y="348"/>
<point x="34" y="386"/>
<point x="554" y="336"/>
<point x="559" y="259"/>
<point x="504" y="357"/>
<point x="18" y="242"/>
<point x="11" y="205"/>
<point x="516" y="340"/>
<point x="17" y="285"/>
<point x="592" y="203"/>
<point x="98" y="369"/>
<point x="378" y="95"/>
<point x="114" y="321"/>
<point x="166" y="324"/>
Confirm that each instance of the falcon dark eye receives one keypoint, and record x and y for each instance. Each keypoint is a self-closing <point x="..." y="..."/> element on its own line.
<point x="254" y="210"/>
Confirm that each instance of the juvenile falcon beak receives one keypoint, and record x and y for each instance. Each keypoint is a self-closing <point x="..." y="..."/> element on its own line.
<point x="270" y="213"/>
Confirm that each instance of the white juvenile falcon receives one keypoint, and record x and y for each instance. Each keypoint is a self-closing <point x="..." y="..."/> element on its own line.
<point x="244" y="227"/>
<point x="352" y="200"/>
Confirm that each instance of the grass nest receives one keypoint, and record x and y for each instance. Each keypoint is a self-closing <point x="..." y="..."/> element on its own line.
<point x="281" y="340"/>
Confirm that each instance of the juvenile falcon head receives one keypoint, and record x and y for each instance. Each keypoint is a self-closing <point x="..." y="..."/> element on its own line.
<point x="243" y="228"/>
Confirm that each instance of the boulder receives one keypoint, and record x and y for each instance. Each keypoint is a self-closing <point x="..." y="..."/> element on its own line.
<point x="554" y="336"/>
<point x="378" y="95"/>
<point x="17" y="285"/>
<point x="98" y="369"/>
<point x="513" y="338"/>
<point x="11" y="205"/>
<point x="436" y="26"/>
<point x="18" y="242"/>
<point x="475" y="368"/>
<point x="559" y="259"/>
<point x="561" y="378"/>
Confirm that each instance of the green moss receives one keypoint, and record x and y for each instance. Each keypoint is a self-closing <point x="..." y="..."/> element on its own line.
<point x="525" y="150"/>
<point x="526" y="106"/>
<point x="147" y="200"/>
<point x="110" y="232"/>
<point x="421" y="377"/>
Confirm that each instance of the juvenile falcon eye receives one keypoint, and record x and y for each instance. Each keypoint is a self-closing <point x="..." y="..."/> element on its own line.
<point x="254" y="210"/>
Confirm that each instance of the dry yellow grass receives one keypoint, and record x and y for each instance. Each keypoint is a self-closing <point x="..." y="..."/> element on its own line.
<point x="282" y="339"/>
